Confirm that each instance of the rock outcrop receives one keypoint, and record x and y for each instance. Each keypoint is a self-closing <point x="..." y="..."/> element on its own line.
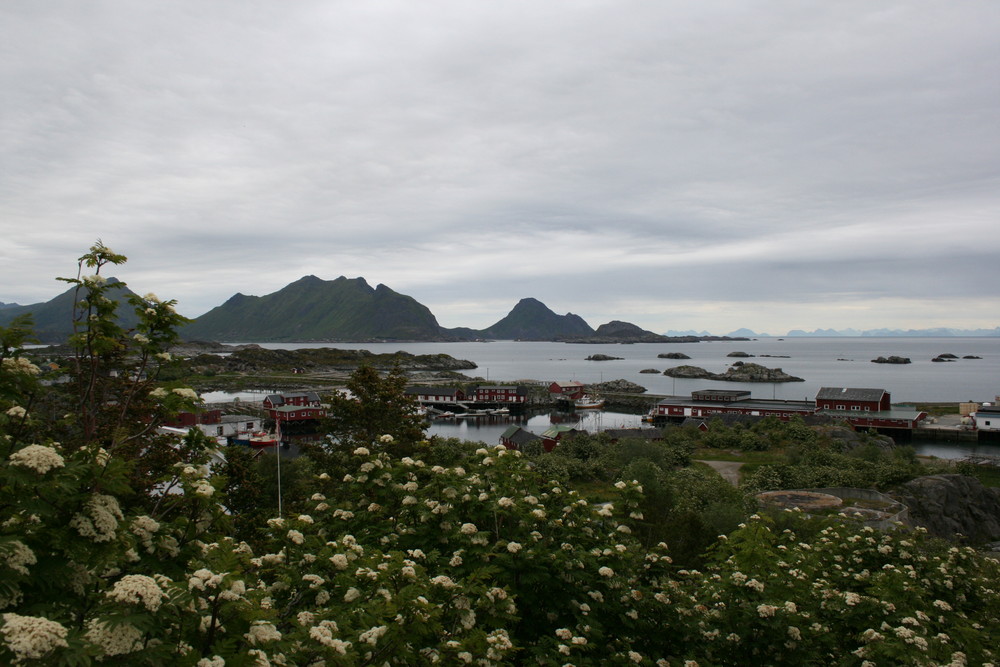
<point x="672" y="355"/>
<point x="688" y="372"/>
<point x="738" y="372"/>
<point x="616" y="387"/>
<point x="949" y="505"/>
<point x="891" y="360"/>
<point x="602" y="357"/>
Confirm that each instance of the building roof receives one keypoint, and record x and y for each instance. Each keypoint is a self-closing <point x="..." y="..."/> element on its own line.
<point x="295" y="408"/>
<point x="433" y="391"/>
<point x="849" y="394"/>
<point x="236" y="419"/>
<point x="518" y="435"/>
<point x="507" y="387"/>
<point x="558" y="430"/>
<point x="310" y="395"/>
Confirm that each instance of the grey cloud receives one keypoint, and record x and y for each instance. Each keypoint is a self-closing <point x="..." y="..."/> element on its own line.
<point x="644" y="146"/>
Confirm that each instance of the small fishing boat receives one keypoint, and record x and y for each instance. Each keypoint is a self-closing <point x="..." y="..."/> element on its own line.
<point x="257" y="439"/>
<point x="588" y="402"/>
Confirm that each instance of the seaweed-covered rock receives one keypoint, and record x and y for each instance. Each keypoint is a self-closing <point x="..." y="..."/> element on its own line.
<point x="672" y="355"/>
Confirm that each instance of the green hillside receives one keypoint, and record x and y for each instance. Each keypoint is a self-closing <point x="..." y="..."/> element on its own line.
<point x="314" y="309"/>
<point x="54" y="318"/>
<point x="533" y="320"/>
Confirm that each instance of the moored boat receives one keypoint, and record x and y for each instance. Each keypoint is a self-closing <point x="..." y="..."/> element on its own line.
<point x="588" y="402"/>
<point x="256" y="439"/>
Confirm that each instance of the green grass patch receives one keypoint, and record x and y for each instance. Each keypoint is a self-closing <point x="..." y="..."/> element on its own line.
<point x="595" y="491"/>
<point x="936" y="409"/>
<point x="988" y="475"/>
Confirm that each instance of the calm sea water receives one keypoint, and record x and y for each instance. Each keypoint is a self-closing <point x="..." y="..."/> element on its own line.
<point x="488" y="430"/>
<point x="821" y="362"/>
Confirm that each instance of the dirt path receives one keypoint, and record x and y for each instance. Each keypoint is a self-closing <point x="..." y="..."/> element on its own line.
<point x="730" y="470"/>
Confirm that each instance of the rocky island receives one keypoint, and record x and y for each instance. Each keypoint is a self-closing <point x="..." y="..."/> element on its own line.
<point x="891" y="360"/>
<point x="738" y="372"/>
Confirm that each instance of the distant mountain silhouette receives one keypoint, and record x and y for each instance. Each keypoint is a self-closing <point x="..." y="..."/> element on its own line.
<point x="939" y="332"/>
<point x="54" y="318"/>
<point x="311" y="309"/>
<point x="617" y="331"/>
<point x="531" y="319"/>
<point x="320" y="310"/>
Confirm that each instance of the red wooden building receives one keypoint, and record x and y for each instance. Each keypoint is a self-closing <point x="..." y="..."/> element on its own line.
<point x="301" y="406"/>
<point x="503" y="394"/>
<point x="554" y="434"/>
<point x="188" y="419"/>
<point x="853" y="400"/>
<point x="571" y="390"/>
<point x="516" y="437"/>
<point x="862" y="408"/>
<point x="436" y="394"/>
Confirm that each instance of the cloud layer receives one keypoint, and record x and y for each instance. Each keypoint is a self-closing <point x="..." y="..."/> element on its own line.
<point x="679" y="165"/>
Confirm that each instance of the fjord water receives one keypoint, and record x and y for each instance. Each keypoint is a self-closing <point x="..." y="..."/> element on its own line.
<point x="821" y="362"/>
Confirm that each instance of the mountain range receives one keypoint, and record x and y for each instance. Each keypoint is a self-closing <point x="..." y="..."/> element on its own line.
<point x="53" y="319"/>
<point x="312" y="309"/>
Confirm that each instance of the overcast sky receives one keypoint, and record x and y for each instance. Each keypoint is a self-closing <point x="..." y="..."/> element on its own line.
<point x="679" y="165"/>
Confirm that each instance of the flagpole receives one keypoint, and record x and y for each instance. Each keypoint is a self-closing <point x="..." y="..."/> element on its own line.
<point x="277" y="452"/>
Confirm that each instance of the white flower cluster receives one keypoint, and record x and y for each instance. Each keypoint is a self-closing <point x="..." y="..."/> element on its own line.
<point x="766" y="610"/>
<point x="20" y="365"/>
<point x="39" y="458"/>
<point x="372" y="635"/>
<point x="185" y="392"/>
<point x="94" y="280"/>
<point x="32" y="637"/>
<point x="18" y="556"/>
<point x="203" y="488"/>
<point x="99" y="519"/>
<point x="17" y="412"/>
<point x="118" y="639"/>
<point x="323" y="633"/>
<point x="137" y="589"/>
<point x="262" y="632"/>
<point x="144" y="527"/>
<point x="202" y="579"/>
